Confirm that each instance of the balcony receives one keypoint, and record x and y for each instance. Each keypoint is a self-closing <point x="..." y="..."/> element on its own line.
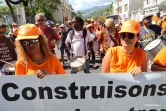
<point x="152" y="3"/>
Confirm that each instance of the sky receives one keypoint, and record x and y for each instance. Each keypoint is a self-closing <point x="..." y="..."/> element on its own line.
<point x="3" y="2"/>
<point x="86" y="4"/>
<point x="81" y="4"/>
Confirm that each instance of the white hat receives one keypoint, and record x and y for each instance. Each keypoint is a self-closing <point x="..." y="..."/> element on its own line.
<point x="62" y="25"/>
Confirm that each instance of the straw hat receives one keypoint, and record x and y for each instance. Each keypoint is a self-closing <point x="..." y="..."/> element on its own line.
<point x="109" y="22"/>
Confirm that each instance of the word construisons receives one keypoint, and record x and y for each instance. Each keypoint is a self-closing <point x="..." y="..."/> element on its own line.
<point x="97" y="92"/>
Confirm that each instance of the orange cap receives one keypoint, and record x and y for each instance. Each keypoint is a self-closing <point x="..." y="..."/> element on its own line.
<point x="15" y="32"/>
<point x="130" y="26"/>
<point x="28" y="31"/>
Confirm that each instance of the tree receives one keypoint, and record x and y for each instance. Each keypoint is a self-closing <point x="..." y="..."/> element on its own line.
<point x="106" y="11"/>
<point x="80" y="14"/>
<point x="46" y="6"/>
<point x="73" y="14"/>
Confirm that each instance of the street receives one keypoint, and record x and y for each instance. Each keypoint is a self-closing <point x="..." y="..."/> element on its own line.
<point x="68" y="70"/>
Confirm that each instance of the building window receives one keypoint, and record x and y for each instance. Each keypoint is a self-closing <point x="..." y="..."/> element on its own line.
<point x="148" y="1"/>
<point x="125" y="7"/>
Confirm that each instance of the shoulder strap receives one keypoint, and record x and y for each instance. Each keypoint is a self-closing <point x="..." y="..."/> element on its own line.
<point x="71" y="34"/>
<point x="115" y="42"/>
<point x="84" y="35"/>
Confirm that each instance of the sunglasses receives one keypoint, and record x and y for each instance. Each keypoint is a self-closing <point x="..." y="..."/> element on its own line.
<point x="27" y="42"/>
<point x="2" y="33"/>
<point x="129" y="35"/>
<point x="40" y="20"/>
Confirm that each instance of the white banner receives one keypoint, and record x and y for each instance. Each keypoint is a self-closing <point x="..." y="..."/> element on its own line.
<point x="93" y="92"/>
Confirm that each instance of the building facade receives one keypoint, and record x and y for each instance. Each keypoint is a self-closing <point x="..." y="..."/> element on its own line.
<point x="64" y="12"/>
<point x="153" y="6"/>
<point x="124" y="8"/>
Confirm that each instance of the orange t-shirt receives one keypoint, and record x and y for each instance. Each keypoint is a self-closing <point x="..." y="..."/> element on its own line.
<point x="161" y="57"/>
<point x="51" y="64"/>
<point x="161" y="23"/>
<point x="121" y="62"/>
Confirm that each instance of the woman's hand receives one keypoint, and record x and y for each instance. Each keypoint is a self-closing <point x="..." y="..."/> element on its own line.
<point x="136" y="70"/>
<point x="41" y="73"/>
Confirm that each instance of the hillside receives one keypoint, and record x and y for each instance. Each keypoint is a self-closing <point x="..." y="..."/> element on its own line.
<point x="92" y="11"/>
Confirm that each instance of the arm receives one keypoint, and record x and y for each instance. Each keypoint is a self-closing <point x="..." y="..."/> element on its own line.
<point x="56" y="37"/>
<point x="106" y="63"/>
<point x="67" y="46"/>
<point x="144" y="65"/>
<point x="67" y="42"/>
<point x="138" y="69"/>
<point x="156" y="67"/>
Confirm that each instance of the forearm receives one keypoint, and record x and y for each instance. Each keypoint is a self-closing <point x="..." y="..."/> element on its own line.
<point x="156" y="67"/>
<point x="90" y="45"/>
<point x="67" y="46"/>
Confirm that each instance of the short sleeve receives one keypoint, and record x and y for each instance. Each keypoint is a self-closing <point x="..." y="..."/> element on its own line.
<point x="90" y="38"/>
<point x="68" y="37"/>
<point x="20" y="68"/>
<point x="161" y="57"/>
<point x="56" y="36"/>
<point x="60" y="69"/>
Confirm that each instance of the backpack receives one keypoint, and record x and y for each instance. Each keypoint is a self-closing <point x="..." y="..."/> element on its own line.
<point x="71" y="34"/>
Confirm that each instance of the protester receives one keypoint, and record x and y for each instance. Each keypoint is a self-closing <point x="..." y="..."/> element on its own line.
<point x="162" y="21"/>
<point x="63" y="35"/>
<point x="126" y="58"/>
<point x="109" y="37"/>
<point x="34" y="56"/>
<point x="15" y="32"/>
<point x="79" y="42"/>
<point x="36" y="23"/>
<point x="159" y="62"/>
<point x="88" y="21"/>
<point x="69" y="25"/>
<point x="51" y="35"/>
<point x="7" y="48"/>
<point x="57" y="28"/>
<point x="90" y="28"/>
<point x="14" y="26"/>
<point x="149" y="31"/>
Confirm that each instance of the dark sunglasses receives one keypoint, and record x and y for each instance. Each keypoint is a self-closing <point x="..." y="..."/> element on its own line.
<point x="129" y="35"/>
<point x="27" y="42"/>
<point x="2" y="33"/>
<point x="40" y="20"/>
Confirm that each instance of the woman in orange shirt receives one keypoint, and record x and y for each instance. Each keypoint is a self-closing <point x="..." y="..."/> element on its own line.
<point x="126" y="58"/>
<point x="34" y="56"/>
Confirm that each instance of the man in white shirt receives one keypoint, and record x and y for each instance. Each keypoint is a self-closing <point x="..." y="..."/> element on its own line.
<point x="79" y="45"/>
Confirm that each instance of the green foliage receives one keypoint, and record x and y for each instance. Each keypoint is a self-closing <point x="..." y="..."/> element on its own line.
<point x="4" y="10"/>
<point x="42" y="5"/>
<point x="106" y="11"/>
<point x="45" y="6"/>
<point x="73" y="14"/>
<point x="80" y="14"/>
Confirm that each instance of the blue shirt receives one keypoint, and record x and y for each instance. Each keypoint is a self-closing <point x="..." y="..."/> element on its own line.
<point x="146" y="36"/>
